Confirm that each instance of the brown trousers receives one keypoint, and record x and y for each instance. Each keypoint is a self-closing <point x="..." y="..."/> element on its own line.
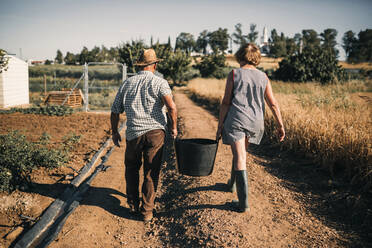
<point x="149" y="147"/>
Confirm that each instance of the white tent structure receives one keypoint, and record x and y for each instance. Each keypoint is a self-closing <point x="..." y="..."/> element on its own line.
<point x="14" y="90"/>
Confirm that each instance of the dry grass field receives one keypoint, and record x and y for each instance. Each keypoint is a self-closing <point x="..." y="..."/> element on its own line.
<point x="331" y="124"/>
<point x="273" y="63"/>
<point x="266" y="62"/>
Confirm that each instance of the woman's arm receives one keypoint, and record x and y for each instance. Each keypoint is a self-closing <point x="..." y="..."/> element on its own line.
<point x="274" y="106"/>
<point x="226" y="102"/>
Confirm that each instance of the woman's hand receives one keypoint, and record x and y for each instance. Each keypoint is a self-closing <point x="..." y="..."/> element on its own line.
<point x="281" y="133"/>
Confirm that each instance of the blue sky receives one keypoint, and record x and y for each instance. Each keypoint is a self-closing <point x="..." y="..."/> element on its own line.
<point x="40" y="27"/>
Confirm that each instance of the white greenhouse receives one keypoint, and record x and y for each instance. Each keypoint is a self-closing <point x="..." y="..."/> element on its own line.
<point x="14" y="83"/>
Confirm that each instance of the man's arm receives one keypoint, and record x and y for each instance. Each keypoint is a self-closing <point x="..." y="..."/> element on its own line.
<point x="114" y="128"/>
<point x="172" y="110"/>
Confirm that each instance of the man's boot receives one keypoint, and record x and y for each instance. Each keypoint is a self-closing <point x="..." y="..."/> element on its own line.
<point x="231" y="185"/>
<point x="242" y="190"/>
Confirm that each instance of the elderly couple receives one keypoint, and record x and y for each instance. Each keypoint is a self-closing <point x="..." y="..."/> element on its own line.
<point x="241" y="121"/>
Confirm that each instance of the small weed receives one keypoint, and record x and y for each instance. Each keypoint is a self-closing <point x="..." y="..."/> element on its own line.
<point x="18" y="157"/>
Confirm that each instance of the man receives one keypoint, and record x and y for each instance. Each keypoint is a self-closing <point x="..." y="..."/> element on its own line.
<point x="142" y="97"/>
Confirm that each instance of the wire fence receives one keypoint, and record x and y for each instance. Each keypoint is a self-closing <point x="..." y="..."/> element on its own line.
<point x="97" y="81"/>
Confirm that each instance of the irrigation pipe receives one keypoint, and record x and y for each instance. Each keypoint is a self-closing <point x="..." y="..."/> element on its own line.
<point x="61" y="208"/>
<point x="78" y="196"/>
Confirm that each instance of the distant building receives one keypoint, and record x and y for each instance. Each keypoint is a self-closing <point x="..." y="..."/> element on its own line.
<point x="264" y="44"/>
<point x="14" y="89"/>
<point x="32" y="62"/>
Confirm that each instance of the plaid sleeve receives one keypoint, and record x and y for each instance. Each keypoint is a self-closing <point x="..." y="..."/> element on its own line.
<point x="164" y="89"/>
<point x="118" y="104"/>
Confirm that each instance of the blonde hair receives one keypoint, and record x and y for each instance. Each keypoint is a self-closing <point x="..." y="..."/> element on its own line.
<point x="248" y="54"/>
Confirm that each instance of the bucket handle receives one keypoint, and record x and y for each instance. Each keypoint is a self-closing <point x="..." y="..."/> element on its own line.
<point x="175" y="153"/>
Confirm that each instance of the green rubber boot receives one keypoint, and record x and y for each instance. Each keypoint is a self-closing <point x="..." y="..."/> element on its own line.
<point x="242" y="190"/>
<point x="231" y="184"/>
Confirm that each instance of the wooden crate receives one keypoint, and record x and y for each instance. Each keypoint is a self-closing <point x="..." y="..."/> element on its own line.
<point x="75" y="99"/>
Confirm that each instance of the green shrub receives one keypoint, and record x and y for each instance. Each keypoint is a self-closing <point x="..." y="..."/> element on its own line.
<point x="311" y="65"/>
<point x="18" y="157"/>
<point x="213" y="66"/>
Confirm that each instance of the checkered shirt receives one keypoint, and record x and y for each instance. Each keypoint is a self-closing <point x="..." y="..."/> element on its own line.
<point x="140" y="97"/>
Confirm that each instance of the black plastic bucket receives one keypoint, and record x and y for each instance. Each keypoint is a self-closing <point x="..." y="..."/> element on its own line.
<point x="195" y="157"/>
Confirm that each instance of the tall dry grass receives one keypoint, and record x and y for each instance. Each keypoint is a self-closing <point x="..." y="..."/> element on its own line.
<point x="331" y="124"/>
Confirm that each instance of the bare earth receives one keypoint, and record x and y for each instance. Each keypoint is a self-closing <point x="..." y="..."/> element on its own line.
<point x="196" y="212"/>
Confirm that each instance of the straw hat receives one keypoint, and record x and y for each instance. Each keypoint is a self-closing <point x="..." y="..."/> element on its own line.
<point x="147" y="57"/>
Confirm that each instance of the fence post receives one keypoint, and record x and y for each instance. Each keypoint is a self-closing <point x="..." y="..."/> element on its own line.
<point x="86" y="87"/>
<point x="45" y="86"/>
<point x="124" y="72"/>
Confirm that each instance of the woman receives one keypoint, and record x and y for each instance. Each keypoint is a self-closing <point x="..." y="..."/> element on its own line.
<point x="241" y="119"/>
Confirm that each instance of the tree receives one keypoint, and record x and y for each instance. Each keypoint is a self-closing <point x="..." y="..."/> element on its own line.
<point x="129" y="53"/>
<point x="70" y="59"/>
<point x="174" y="65"/>
<point x="48" y="62"/>
<point x="3" y="60"/>
<point x="185" y="42"/>
<point x="298" y="40"/>
<point x="219" y="40"/>
<point x="84" y="56"/>
<point x="277" y="44"/>
<point x="328" y="38"/>
<point x="169" y="43"/>
<point x="202" y="42"/>
<point x="361" y="50"/>
<point x="364" y="46"/>
<point x="290" y="46"/>
<point x="59" y="57"/>
<point x="103" y="55"/>
<point x="349" y="41"/>
<point x="113" y="54"/>
<point x="310" y="39"/>
<point x="253" y="34"/>
<point x="93" y="55"/>
<point x="238" y="37"/>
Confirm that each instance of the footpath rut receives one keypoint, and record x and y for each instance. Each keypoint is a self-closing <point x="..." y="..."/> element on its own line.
<point x="195" y="212"/>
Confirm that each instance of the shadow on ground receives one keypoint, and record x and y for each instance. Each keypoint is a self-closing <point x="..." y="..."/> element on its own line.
<point x="105" y="198"/>
<point x="332" y="199"/>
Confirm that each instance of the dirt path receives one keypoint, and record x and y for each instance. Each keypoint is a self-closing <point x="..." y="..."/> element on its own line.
<point x="195" y="212"/>
<point x="103" y="219"/>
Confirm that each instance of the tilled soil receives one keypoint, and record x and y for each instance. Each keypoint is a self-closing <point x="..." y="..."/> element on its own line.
<point x="196" y="212"/>
<point x="32" y="200"/>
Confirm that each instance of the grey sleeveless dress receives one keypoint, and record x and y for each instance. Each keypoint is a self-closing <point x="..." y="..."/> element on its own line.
<point x="246" y="113"/>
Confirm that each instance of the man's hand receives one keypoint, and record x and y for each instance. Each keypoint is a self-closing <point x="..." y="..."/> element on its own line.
<point x="116" y="139"/>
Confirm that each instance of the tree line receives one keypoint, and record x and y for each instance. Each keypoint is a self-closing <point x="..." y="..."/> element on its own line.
<point x="358" y="48"/>
<point x="307" y="56"/>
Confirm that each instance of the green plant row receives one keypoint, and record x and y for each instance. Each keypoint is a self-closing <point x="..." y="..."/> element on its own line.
<point x="19" y="157"/>
<point x="52" y="110"/>
<point x="36" y="84"/>
<point x="101" y="72"/>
